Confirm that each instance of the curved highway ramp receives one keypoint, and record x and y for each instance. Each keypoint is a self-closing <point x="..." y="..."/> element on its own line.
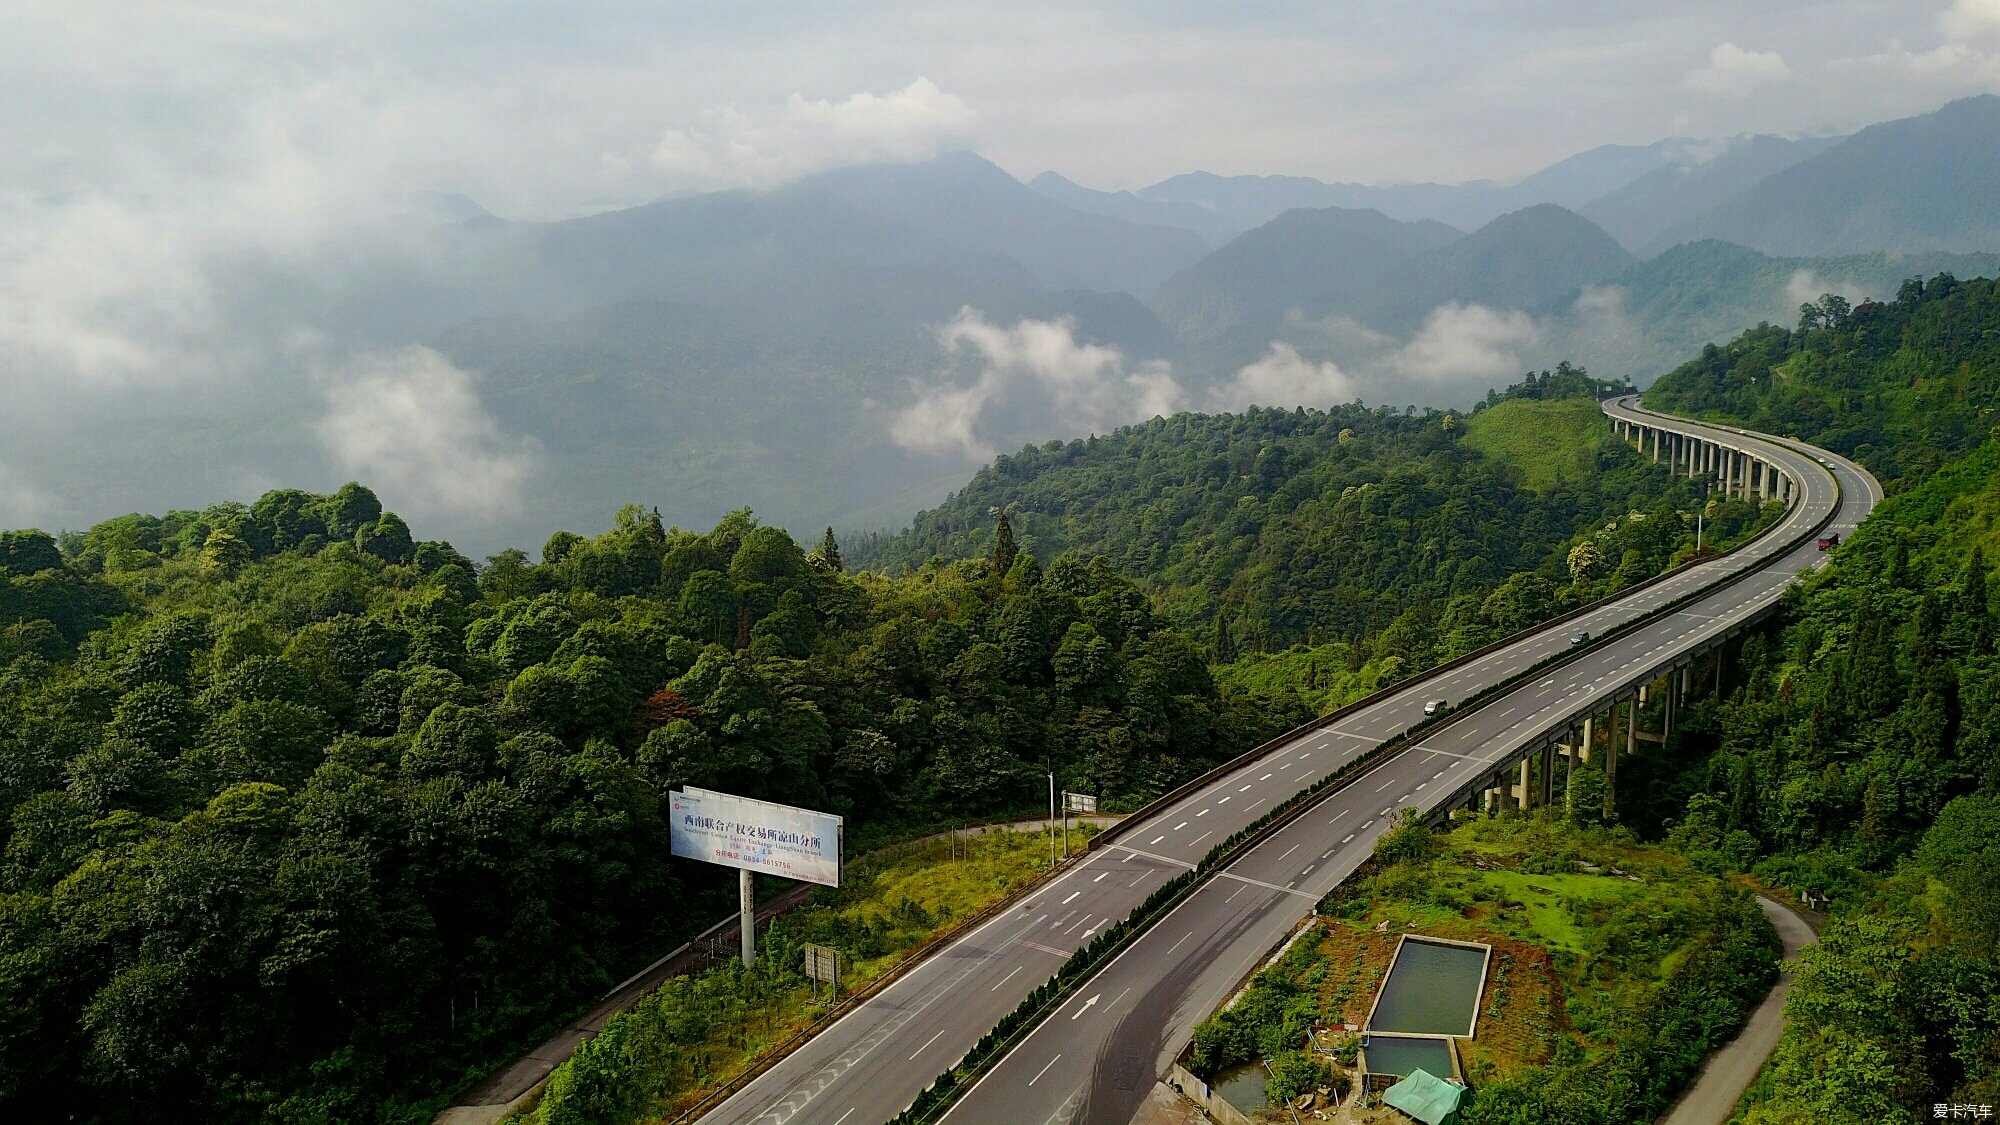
<point x="1096" y="1059"/>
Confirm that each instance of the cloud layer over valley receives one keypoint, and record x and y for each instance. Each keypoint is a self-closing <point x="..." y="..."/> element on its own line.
<point x="464" y="256"/>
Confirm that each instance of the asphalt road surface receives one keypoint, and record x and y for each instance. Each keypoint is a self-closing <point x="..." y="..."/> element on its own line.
<point x="1729" y="1071"/>
<point x="1095" y="1060"/>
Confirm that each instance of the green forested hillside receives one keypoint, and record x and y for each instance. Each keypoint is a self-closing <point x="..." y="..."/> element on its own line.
<point x="1275" y="527"/>
<point x="1551" y="441"/>
<point x="304" y="822"/>
<point x="1903" y="385"/>
<point x="1857" y="750"/>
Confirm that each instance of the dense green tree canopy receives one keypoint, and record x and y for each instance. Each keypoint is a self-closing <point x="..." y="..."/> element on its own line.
<point x="1903" y="385"/>
<point x="1856" y="753"/>
<point x="304" y="821"/>
<point x="1311" y="526"/>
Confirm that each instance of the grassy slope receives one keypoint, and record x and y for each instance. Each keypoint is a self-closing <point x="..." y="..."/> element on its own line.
<point x="697" y="1033"/>
<point x="1610" y="939"/>
<point x="1949" y="514"/>
<point x="1547" y="439"/>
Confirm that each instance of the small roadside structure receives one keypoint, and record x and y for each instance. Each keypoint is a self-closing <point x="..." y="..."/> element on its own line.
<point x="1430" y="1100"/>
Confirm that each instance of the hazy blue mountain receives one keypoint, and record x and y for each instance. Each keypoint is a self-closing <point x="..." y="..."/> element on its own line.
<point x="1354" y="288"/>
<point x="1663" y="310"/>
<point x="1211" y="225"/>
<point x="1243" y="202"/>
<point x="445" y="207"/>
<point x="1305" y="259"/>
<point x="1637" y="213"/>
<point x="961" y="199"/>
<point x="1597" y="172"/>
<point x="1924" y="183"/>
<point x="1518" y="261"/>
<point x="706" y="352"/>
<point x="801" y="252"/>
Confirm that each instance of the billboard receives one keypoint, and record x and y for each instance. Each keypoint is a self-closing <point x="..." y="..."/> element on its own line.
<point x="756" y="835"/>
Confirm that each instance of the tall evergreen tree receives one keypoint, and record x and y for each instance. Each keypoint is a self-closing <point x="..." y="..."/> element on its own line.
<point x="829" y="549"/>
<point x="1973" y="624"/>
<point x="1004" y="549"/>
<point x="1743" y="805"/>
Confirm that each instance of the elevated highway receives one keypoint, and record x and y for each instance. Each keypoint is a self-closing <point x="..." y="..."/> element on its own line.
<point x="1095" y="1060"/>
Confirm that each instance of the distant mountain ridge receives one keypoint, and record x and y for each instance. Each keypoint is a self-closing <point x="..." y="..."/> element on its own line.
<point x="1638" y="213"/>
<point x="1380" y="275"/>
<point x="1924" y="183"/>
<point x="962" y="199"/>
<point x="1305" y="258"/>
<point x="1517" y="261"/>
<point x="1211" y="225"/>
<point x="1221" y="206"/>
<point x="764" y="347"/>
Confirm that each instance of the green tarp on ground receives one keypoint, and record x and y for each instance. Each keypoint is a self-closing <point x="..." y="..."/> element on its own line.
<point x="1432" y="1101"/>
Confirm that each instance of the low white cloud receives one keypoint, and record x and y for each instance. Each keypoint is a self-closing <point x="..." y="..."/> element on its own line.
<point x="1970" y="19"/>
<point x="1948" y="68"/>
<point x="732" y="147"/>
<point x="1468" y="342"/>
<point x="411" y="423"/>
<point x="1806" y="285"/>
<point x="1337" y="331"/>
<point x="1035" y="367"/>
<point x="1284" y="378"/>
<point x="942" y="420"/>
<point x="1601" y="300"/>
<point x="1734" y="72"/>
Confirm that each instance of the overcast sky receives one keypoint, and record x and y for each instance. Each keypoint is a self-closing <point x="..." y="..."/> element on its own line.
<point x="157" y="149"/>
<point x="546" y="109"/>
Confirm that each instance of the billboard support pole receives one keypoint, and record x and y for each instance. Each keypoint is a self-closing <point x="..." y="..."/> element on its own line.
<point x="749" y="897"/>
<point x="1052" y="821"/>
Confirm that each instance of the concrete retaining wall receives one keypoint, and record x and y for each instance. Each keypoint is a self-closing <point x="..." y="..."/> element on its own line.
<point x="1197" y="1091"/>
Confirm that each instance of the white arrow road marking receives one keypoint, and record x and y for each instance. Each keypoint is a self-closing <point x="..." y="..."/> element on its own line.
<point x="1087" y="1005"/>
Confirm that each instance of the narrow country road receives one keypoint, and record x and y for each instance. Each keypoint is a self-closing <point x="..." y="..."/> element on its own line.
<point x="1729" y="1071"/>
